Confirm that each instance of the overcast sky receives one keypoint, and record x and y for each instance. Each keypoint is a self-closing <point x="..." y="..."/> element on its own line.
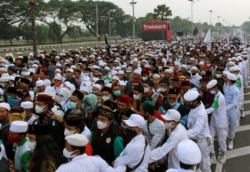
<point x="234" y="12"/>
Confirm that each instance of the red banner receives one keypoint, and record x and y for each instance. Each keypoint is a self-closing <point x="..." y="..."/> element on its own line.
<point x="155" y="26"/>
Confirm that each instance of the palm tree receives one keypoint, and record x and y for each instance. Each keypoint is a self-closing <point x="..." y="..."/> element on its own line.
<point x="162" y="12"/>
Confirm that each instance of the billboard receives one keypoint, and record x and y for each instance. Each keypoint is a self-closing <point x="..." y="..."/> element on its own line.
<point x="156" y="31"/>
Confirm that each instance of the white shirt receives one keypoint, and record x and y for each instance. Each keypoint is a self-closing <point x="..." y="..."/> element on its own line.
<point x="219" y="116"/>
<point x="170" y="147"/>
<point x="198" y="123"/>
<point x="155" y="132"/>
<point x="32" y="119"/>
<point x="85" y="163"/>
<point x="132" y="154"/>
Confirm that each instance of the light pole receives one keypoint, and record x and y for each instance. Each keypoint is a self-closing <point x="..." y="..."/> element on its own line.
<point x="219" y="23"/>
<point x="210" y="11"/>
<point x="192" y="13"/>
<point x="32" y="4"/>
<point x="110" y="23"/>
<point x="97" y="27"/>
<point x="133" y="12"/>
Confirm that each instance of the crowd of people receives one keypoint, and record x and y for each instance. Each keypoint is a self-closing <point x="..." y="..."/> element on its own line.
<point x="149" y="106"/>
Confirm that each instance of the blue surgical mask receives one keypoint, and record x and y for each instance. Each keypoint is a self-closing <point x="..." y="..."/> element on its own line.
<point x="117" y="93"/>
<point x="72" y="105"/>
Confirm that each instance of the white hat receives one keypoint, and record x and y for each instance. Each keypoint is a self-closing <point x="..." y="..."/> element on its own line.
<point x="169" y="71"/>
<point x="137" y="71"/>
<point x="156" y="76"/>
<point x="85" y="88"/>
<point x="58" y="77"/>
<point x="70" y="70"/>
<point x="194" y="68"/>
<point x="26" y="73"/>
<point x="172" y="115"/>
<point x="98" y="86"/>
<point x="122" y="83"/>
<point x="11" y="78"/>
<point x="211" y="83"/>
<point x="58" y="70"/>
<point x="230" y="63"/>
<point x="39" y="83"/>
<point x="27" y="105"/>
<point x="184" y="66"/>
<point x="19" y="126"/>
<point x="120" y="72"/>
<point x="78" y="140"/>
<point x="3" y="69"/>
<point x="115" y="78"/>
<point x="5" y="77"/>
<point x="231" y="76"/>
<point x="135" y="120"/>
<point x="234" y="68"/>
<point x="5" y="106"/>
<point x="188" y="152"/>
<point x="47" y="82"/>
<point x="191" y="95"/>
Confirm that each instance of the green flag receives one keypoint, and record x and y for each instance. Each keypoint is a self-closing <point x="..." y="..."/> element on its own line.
<point x="215" y="104"/>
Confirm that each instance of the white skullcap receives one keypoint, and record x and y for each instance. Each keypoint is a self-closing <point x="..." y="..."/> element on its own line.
<point x="33" y="70"/>
<point x="120" y="72"/>
<point x="231" y="77"/>
<point x="137" y="71"/>
<point x="70" y="70"/>
<point x="19" y="126"/>
<point x="73" y="66"/>
<point x="78" y="140"/>
<point x="58" y="65"/>
<point x="115" y="78"/>
<point x="169" y="71"/>
<point x="58" y="70"/>
<point x="5" y="77"/>
<point x="172" y="115"/>
<point x="194" y="68"/>
<point x="191" y="95"/>
<point x="109" y="85"/>
<point x="34" y="66"/>
<point x="85" y="89"/>
<point x="135" y="120"/>
<point x="122" y="83"/>
<point x="211" y="83"/>
<point x="184" y="66"/>
<point x="5" y="106"/>
<point x="186" y="149"/>
<point x="47" y="82"/>
<point x="27" y="105"/>
<point x="11" y="78"/>
<point x="156" y="76"/>
<point x="39" y="83"/>
<point x="230" y="63"/>
<point x="26" y="73"/>
<point x="98" y="86"/>
<point x="58" y="77"/>
<point x="234" y="68"/>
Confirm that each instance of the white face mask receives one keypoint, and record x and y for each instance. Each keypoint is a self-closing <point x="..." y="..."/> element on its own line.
<point x="39" y="109"/>
<point x="68" y="132"/>
<point x="68" y="154"/>
<point x="101" y="125"/>
<point x="105" y="98"/>
<point x="163" y="89"/>
<point x="136" y="97"/>
<point x="168" y="125"/>
<point x="218" y="75"/>
<point x="146" y="90"/>
<point x="212" y="91"/>
<point x="31" y="145"/>
<point x="159" y="90"/>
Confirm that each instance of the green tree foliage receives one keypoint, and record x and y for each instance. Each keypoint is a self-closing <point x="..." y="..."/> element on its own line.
<point x="162" y="12"/>
<point x="246" y="26"/>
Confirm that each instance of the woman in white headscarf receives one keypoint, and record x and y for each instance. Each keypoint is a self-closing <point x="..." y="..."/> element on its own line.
<point x="64" y="94"/>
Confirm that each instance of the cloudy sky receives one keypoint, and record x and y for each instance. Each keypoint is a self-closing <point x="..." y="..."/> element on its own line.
<point x="230" y="12"/>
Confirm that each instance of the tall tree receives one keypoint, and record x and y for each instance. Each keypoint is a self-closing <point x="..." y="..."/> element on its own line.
<point x="162" y="12"/>
<point x="60" y="16"/>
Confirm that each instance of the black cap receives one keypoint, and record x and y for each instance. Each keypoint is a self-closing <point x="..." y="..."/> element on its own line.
<point x="149" y="82"/>
<point x="139" y="88"/>
<point x="11" y="90"/>
<point x="173" y="91"/>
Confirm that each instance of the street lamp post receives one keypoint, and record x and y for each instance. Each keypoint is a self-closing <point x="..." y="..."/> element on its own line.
<point x="32" y="4"/>
<point x="110" y="23"/>
<point x="97" y="27"/>
<point x="192" y="13"/>
<point x="133" y="12"/>
<point x="210" y="11"/>
<point x="219" y="23"/>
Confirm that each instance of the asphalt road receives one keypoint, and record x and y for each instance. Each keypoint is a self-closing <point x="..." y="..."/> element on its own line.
<point x="238" y="159"/>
